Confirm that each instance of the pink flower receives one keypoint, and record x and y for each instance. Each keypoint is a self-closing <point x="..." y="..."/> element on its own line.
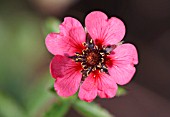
<point x="94" y="60"/>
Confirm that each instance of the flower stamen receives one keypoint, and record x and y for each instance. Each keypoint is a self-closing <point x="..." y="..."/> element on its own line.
<point x="92" y="57"/>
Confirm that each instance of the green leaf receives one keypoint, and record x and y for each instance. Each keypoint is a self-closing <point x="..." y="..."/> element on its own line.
<point x="52" y="90"/>
<point x="121" y="91"/>
<point x="51" y="25"/>
<point x="38" y="96"/>
<point x="90" y="109"/>
<point x="59" y="109"/>
<point x="9" y="108"/>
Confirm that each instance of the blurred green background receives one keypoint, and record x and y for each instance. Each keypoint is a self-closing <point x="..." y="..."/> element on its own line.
<point x="24" y="60"/>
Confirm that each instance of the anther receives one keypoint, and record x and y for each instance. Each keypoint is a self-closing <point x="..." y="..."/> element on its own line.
<point x="85" y="73"/>
<point x="99" y="66"/>
<point x="96" y="47"/>
<point x="77" y="54"/>
<point x="89" y="43"/>
<point x="102" y="54"/>
<point x="104" y="69"/>
<point x="109" y="49"/>
<point x="102" y="60"/>
<point x="84" y="44"/>
<point x="94" y="68"/>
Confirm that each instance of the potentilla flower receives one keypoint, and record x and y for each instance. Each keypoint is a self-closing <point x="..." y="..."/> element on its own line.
<point x="92" y="60"/>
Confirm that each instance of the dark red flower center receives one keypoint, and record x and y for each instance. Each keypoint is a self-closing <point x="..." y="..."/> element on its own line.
<point x="93" y="57"/>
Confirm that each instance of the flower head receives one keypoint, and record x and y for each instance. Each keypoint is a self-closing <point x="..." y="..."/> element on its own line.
<point x="94" y="60"/>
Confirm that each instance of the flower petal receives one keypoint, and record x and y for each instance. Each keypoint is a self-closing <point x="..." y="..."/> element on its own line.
<point x="52" y="41"/>
<point x="122" y="74"/>
<point x="67" y="75"/>
<point x="115" y="31"/>
<point x="121" y="63"/>
<point x="69" y="24"/>
<point x="97" y="83"/>
<point x="69" y="40"/>
<point x="103" y="30"/>
<point x="107" y="87"/>
<point x="125" y="53"/>
<point x="88" y="90"/>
